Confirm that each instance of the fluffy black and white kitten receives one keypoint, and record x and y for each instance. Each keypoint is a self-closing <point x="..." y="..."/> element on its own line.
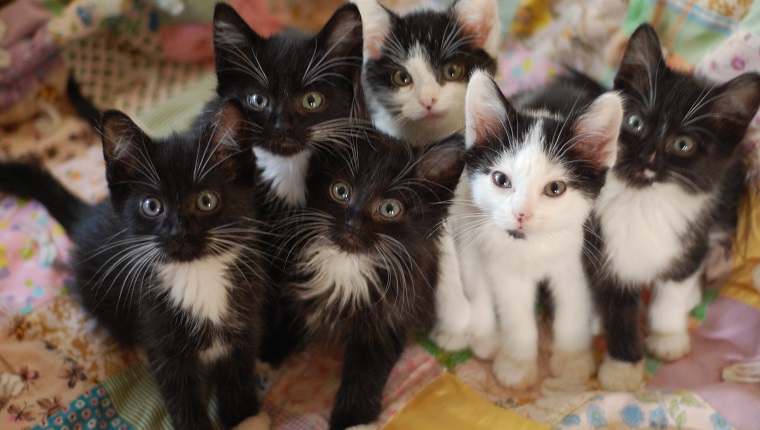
<point x="364" y="259"/>
<point x="416" y="66"/>
<point x="671" y="193"/>
<point x="169" y="262"/>
<point x="300" y="92"/>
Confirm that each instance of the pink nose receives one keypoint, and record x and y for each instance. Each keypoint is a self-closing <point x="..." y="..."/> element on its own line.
<point x="522" y="217"/>
<point x="429" y="104"/>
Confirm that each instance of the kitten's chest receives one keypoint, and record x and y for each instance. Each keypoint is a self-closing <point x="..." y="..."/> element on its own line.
<point x="284" y="175"/>
<point x="643" y="229"/>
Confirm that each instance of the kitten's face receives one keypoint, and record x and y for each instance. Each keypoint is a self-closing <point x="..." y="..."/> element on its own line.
<point x="534" y="173"/>
<point x="417" y="66"/>
<point x="185" y="196"/>
<point x="298" y="90"/>
<point x="676" y="128"/>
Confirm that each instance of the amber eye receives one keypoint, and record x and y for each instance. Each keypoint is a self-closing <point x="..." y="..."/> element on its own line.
<point x="312" y="100"/>
<point x="635" y="124"/>
<point x="258" y="101"/>
<point x="555" y="189"/>
<point x="340" y="192"/>
<point x="501" y="180"/>
<point x="401" y="78"/>
<point x="207" y="201"/>
<point x="683" y="146"/>
<point x="390" y="208"/>
<point x="151" y="207"/>
<point x="453" y="71"/>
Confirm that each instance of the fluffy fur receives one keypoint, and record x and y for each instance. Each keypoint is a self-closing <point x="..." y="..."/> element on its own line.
<point x="169" y="262"/>
<point x="518" y="222"/>
<point x="416" y="66"/>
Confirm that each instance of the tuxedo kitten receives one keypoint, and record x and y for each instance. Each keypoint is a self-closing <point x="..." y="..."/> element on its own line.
<point x="364" y="258"/>
<point x="672" y="191"/>
<point x="170" y="261"/>
<point x="300" y="92"/>
<point x="416" y="66"/>
<point x="532" y="176"/>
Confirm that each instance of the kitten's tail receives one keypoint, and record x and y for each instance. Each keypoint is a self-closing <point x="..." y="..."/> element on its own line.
<point x="28" y="180"/>
<point x="84" y="107"/>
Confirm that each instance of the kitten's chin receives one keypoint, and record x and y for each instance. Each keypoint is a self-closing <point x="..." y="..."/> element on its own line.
<point x="517" y="234"/>
<point x="284" y="146"/>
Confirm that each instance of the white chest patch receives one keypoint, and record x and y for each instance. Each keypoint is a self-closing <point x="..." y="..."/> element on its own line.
<point x="286" y="174"/>
<point x="642" y="228"/>
<point x="200" y="287"/>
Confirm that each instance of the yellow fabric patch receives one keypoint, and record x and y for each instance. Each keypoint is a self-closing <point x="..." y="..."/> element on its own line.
<point x="740" y="285"/>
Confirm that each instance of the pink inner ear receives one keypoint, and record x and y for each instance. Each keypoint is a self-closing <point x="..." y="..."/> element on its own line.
<point x="480" y="29"/>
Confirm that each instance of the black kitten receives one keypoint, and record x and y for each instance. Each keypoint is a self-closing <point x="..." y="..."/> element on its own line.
<point x="170" y="261"/>
<point x="672" y="192"/>
<point x="364" y="259"/>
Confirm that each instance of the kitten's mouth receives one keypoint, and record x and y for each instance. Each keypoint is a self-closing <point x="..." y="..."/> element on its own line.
<point x="284" y="146"/>
<point x="517" y="234"/>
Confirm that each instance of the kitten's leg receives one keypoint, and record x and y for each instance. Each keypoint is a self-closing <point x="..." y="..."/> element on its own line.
<point x="668" y="316"/>
<point x="619" y="308"/>
<point x="366" y="366"/>
<point x="235" y="381"/>
<point x="515" y="365"/>
<point x="452" y="306"/>
<point x="483" y="338"/>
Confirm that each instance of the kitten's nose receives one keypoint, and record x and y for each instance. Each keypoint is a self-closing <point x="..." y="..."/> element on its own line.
<point x="429" y="103"/>
<point x="522" y="216"/>
<point x="354" y="224"/>
<point x="283" y="125"/>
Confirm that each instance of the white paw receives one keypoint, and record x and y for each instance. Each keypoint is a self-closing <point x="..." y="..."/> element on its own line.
<point x="363" y="427"/>
<point x="615" y="375"/>
<point x="575" y="366"/>
<point x="10" y="385"/>
<point x="668" y="346"/>
<point x="516" y="374"/>
<point x="256" y="422"/>
<point x="448" y="340"/>
<point x="485" y="347"/>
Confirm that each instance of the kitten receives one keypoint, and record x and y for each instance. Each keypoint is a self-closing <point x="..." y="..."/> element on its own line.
<point x="170" y="261"/>
<point x="364" y="258"/>
<point x="301" y="92"/>
<point x="673" y="189"/>
<point x="416" y="66"/>
<point x="532" y="176"/>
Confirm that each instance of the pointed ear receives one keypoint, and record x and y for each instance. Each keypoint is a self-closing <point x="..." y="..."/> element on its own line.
<point x="123" y="143"/>
<point x="441" y="162"/>
<point x="233" y="37"/>
<point x="480" y="19"/>
<point x="642" y="57"/>
<point x="597" y="130"/>
<point x="736" y="103"/>
<point x="341" y="36"/>
<point x="376" y="21"/>
<point x="227" y="133"/>
<point x="486" y="109"/>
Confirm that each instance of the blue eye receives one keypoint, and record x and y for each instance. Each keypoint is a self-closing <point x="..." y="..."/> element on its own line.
<point x="635" y="124"/>
<point x="151" y="207"/>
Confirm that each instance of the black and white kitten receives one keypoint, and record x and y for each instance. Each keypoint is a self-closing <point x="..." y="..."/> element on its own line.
<point x="170" y="261"/>
<point x="416" y="66"/>
<point x="300" y="92"/>
<point x="364" y="258"/>
<point x="673" y="190"/>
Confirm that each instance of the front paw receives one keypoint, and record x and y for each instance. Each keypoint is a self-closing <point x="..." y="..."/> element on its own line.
<point x="448" y="340"/>
<point x="256" y="422"/>
<point x="616" y="375"/>
<point x="668" y="346"/>
<point x="577" y="366"/>
<point x="515" y="374"/>
<point x="485" y="347"/>
<point x="363" y="427"/>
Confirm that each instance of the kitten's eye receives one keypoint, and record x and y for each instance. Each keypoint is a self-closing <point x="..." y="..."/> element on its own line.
<point x="635" y="124"/>
<point x="555" y="189"/>
<point x="257" y="101"/>
<point x="151" y="207"/>
<point x="401" y="78"/>
<point x="683" y="146"/>
<point x="390" y="208"/>
<point x="340" y="192"/>
<point x="312" y="100"/>
<point x="501" y="180"/>
<point x="207" y="201"/>
<point x="453" y="71"/>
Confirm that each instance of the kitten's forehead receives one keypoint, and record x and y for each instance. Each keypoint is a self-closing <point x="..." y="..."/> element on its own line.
<point x="429" y="31"/>
<point x="529" y="158"/>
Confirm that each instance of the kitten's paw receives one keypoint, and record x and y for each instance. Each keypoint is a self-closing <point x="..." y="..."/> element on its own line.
<point x="485" y="347"/>
<point x="256" y="422"/>
<point x="616" y="375"/>
<point x="448" y="340"/>
<point x="668" y="346"/>
<point x="363" y="427"/>
<point x="515" y="374"/>
<point x="575" y="366"/>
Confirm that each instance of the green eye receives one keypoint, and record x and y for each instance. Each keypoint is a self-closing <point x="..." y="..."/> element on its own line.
<point x="390" y="208"/>
<point x="207" y="201"/>
<point x="635" y="124"/>
<point x="683" y="146"/>
<point x="555" y="189"/>
<point x="401" y="78"/>
<point x="151" y="207"/>
<point x="312" y="100"/>
<point x="258" y="101"/>
<point x="501" y="180"/>
<point x="340" y="192"/>
<point x="453" y="71"/>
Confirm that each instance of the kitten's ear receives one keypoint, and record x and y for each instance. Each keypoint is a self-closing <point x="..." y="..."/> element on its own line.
<point x="597" y="130"/>
<point x="736" y="104"/>
<point x="486" y="110"/>
<point x="342" y="34"/>
<point x="441" y="162"/>
<point x="227" y="132"/>
<point x="232" y="38"/>
<point x="376" y="21"/>
<point x="123" y="142"/>
<point x="480" y="19"/>
<point x="642" y="57"/>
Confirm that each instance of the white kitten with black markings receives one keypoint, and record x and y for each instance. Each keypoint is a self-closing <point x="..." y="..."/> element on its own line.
<point x="416" y="66"/>
<point x="532" y="177"/>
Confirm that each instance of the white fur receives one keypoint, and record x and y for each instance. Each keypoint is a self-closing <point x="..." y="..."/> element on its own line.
<point x="286" y="174"/>
<point x="200" y="287"/>
<point x="376" y="24"/>
<point x="217" y="350"/>
<point x="482" y="17"/>
<point x="483" y="109"/>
